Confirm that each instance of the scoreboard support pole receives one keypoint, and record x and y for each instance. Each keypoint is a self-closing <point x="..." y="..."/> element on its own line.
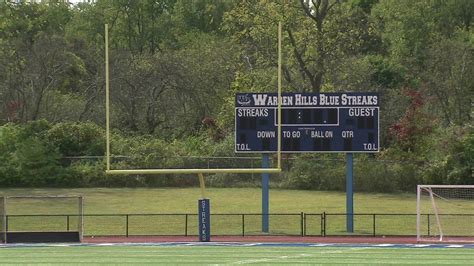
<point x="349" y="193"/>
<point x="265" y="193"/>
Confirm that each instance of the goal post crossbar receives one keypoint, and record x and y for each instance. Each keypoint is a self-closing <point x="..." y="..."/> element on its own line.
<point x="276" y="169"/>
<point x="194" y="171"/>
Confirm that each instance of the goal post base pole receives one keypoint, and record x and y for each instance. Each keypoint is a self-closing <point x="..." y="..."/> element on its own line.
<point x="204" y="211"/>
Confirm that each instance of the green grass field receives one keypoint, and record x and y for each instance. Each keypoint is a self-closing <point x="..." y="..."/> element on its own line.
<point x="223" y="201"/>
<point x="235" y="200"/>
<point x="222" y="255"/>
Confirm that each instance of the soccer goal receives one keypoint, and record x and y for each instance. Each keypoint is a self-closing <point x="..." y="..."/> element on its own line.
<point x="39" y="219"/>
<point x="445" y="213"/>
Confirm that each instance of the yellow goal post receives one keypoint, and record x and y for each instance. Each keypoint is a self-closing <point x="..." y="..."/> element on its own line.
<point x="202" y="171"/>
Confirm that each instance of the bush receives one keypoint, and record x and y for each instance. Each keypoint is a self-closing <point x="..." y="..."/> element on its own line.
<point x="87" y="174"/>
<point x="27" y="159"/>
<point x="307" y="172"/>
<point x="33" y="155"/>
<point x="77" y="139"/>
<point x="454" y="166"/>
<point x="374" y="176"/>
<point x="10" y="136"/>
<point x="36" y="163"/>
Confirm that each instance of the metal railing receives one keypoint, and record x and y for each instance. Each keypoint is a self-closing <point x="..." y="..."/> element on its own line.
<point x="236" y="224"/>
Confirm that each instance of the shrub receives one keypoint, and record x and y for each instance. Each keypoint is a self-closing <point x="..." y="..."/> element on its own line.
<point x="36" y="163"/>
<point x="308" y="172"/>
<point x="77" y="139"/>
<point x="373" y="176"/>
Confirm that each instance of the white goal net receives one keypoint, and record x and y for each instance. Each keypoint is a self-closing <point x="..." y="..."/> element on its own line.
<point x="445" y="213"/>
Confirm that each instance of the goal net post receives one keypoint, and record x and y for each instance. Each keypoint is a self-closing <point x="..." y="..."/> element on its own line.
<point x="445" y="213"/>
<point x="42" y="218"/>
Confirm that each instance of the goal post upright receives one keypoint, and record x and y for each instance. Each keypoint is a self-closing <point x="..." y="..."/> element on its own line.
<point x="107" y="97"/>
<point x="279" y="98"/>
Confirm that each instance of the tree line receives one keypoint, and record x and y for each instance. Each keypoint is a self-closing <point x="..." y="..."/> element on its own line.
<point x="175" y="66"/>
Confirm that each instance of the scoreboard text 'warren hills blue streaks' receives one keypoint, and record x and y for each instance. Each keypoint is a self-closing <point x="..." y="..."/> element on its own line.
<point x="311" y="122"/>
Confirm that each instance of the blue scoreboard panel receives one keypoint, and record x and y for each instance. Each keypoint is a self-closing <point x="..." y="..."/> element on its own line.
<point x="311" y="122"/>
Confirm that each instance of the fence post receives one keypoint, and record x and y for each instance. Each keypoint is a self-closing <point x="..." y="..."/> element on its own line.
<point x="243" y="224"/>
<point x="186" y="225"/>
<point x="321" y="224"/>
<point x="429" y="233"/>
<point x="324" y="223"/>
<point x="126" y="225"/>
<point x="373" y="224"/>
<point x="67" y="221"/>
<point x="302" y="223"/>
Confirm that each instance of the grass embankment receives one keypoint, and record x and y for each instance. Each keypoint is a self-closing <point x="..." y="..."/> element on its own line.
<point x="223" y="201"/>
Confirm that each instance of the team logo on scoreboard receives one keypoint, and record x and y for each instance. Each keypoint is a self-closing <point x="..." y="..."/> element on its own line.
<point x="244" y="99"/>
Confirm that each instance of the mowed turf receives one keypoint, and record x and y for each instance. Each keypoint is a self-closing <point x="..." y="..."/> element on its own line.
<point x="223" y="200"/>
<point x="222" y="255"/>
<point x="112" y="201"/>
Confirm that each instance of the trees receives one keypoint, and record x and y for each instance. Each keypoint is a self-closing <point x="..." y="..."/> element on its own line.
<point x="318" y="37"/>
<point x="176" y="65"/>
<point x="27" y="158"/>
<point x="430" y="39"/>
<point x="36" y="62"/>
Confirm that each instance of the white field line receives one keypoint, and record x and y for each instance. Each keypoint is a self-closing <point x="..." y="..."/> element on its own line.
<point x="279" y="258"/>
<point x="455" y="246"/>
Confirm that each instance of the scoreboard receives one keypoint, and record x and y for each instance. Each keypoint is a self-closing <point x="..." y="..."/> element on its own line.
<point x="311" y="122"/>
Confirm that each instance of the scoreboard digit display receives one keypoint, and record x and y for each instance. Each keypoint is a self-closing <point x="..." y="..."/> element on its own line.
<point x="311" y="122"/>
